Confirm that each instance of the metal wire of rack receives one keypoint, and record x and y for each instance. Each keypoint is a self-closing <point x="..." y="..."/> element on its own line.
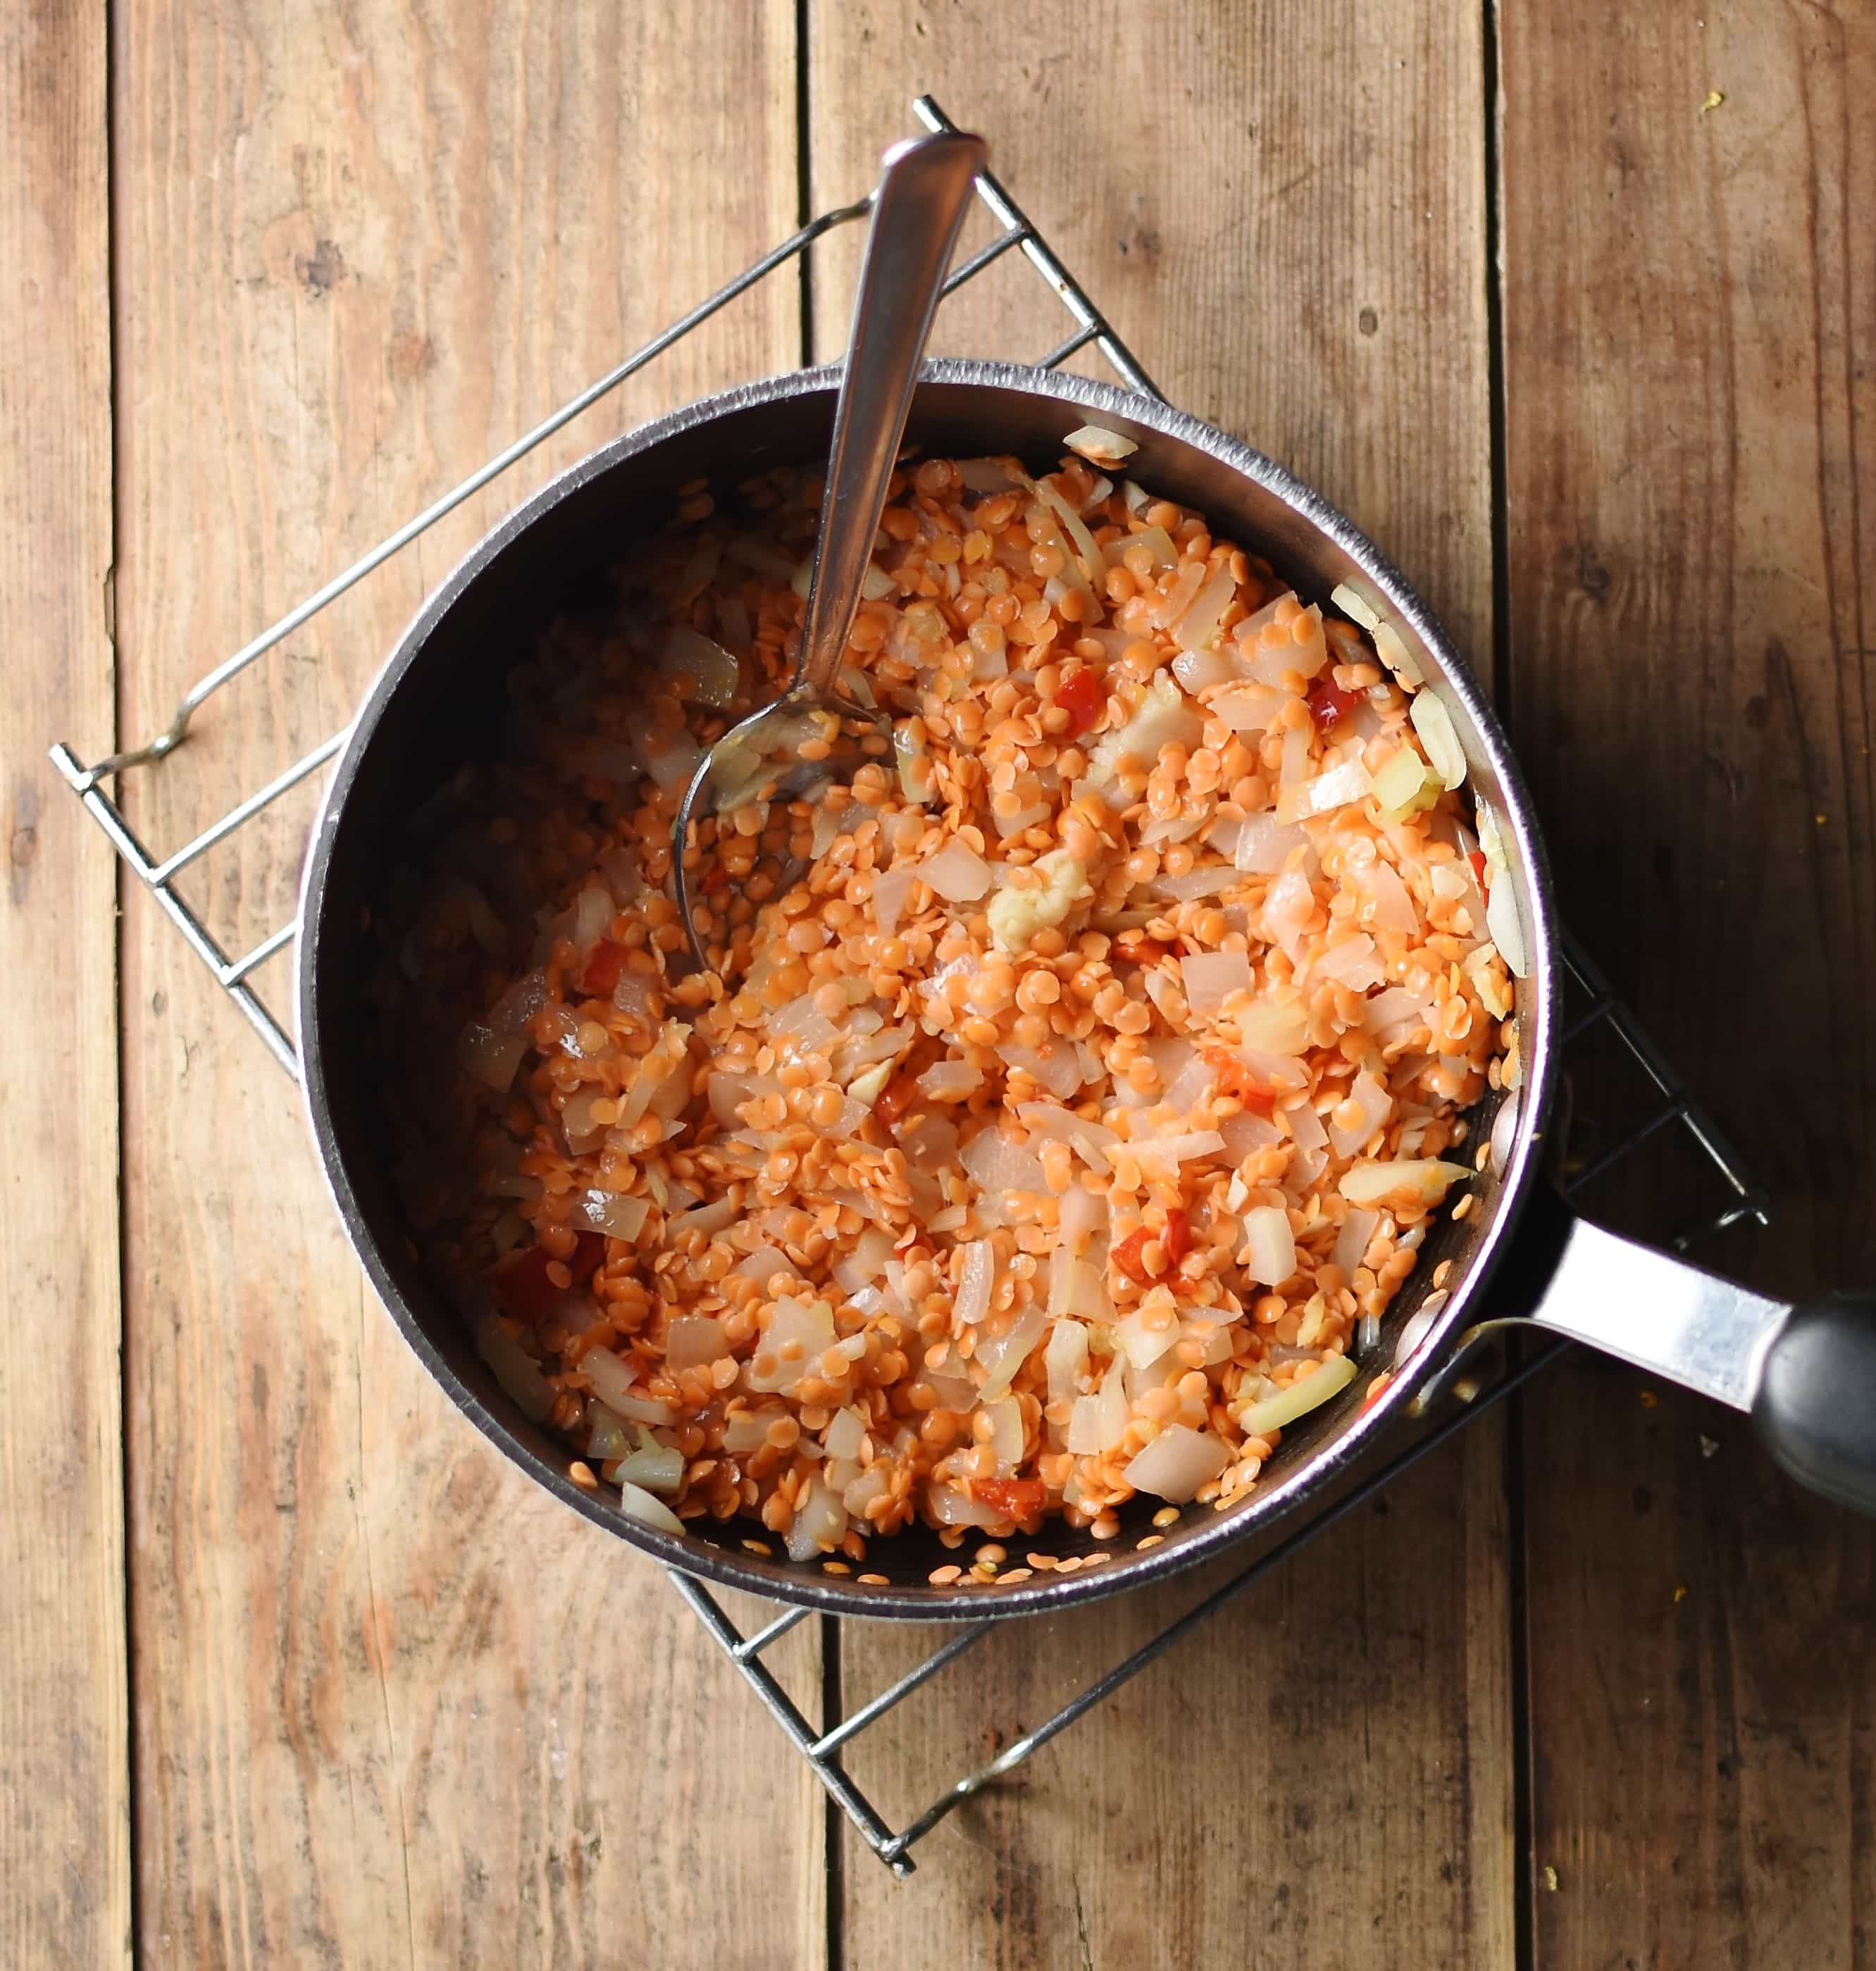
<point x="1601" y="1011"/>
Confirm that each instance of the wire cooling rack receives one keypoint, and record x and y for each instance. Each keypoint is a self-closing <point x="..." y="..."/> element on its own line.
<point x="1597" y="1013"/>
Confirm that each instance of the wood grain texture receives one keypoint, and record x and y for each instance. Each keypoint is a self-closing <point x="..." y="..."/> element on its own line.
<point x="1295" y="249"/>
<point x="1690" y="316"/>
<point x="393" y="1706"/>
<point x="64" y="1724"/>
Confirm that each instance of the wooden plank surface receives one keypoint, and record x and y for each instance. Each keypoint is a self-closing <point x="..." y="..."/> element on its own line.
<point x="1690" y="317"/>
<point x="64" y="1726"/>
<point x="393" y="1705"/>
<point x="1296" y="249"/>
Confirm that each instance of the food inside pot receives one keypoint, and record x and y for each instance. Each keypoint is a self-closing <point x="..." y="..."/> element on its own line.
<point x="1061" y="1135"/>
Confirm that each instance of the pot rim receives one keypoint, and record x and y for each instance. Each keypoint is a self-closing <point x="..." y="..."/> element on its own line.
<point x="1264" y="1505"/>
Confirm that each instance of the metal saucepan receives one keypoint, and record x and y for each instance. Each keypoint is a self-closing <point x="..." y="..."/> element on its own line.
<point x="1808" y="1374"/>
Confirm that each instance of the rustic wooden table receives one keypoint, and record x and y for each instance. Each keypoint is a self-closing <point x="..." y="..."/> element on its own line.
<point x="1573" y="309"/>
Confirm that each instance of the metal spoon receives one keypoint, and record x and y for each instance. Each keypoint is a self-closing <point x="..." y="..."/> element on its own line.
<point x="924" y="186"/>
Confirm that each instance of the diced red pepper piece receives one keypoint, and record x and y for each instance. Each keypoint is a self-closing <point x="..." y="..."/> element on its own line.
<point x="589" y="1252"/>
<point x="522" y="1287"/>
<point x="1329" y="704"/>
<point x="1021" y="1498"/>
<point x="895" y="1098"/>
<point x="1235" y="1079"/>
<point x="601" y="973"/>
<point x="1176" y="1239"/>
<point x="521" y="1281"/>
<point x="1178" y="1235"/>
<point x="1477" y="858"/>
<point x="1083" y="697"/>
<point x="1126" y="1255"/>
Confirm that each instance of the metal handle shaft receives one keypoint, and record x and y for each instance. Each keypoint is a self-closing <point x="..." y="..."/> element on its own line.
<point x="924" y="189"/>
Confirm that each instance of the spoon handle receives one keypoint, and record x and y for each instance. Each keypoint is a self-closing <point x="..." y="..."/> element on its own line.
<point x="924" y="186"/>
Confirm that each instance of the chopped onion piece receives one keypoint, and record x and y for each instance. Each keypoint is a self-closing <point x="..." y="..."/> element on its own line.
<point x="951" y="1506"/>
<point x="1005" y="1439"/>
<point x="1289" y="904"/>
<point x="987" y="475"/>
<point x="677" y="760"/>
<point x="867" y="1262"/>
<point x="1400" y="783"/>
<point x="1270" y="1254"/>
<point x="995" y="1162"/>
<point x="957" y="872"/>
<point x="1250" y="709"/>
<point x="1057" y="1068"/>
<point x="717" y="675"/>
<point x="1000" y="1355"/>
<point x="614" y="1382"/>
<point x="1434" y="724"/>
<point x="693" y="1340"/>
<point x="1352" y="964"/>
<point x="658" y="1468"/>
<point x="1413" y="1181"/>
<point x="764" y="1264"/>
<point x="1273" y="1026"/>
<point x="636" y="1503"/>
<point x="1247" y="1133"/>
<point x="704" y="1218"/>
<point x="1336" y="788"/>
<point x="1197" y="628"/>
<point x="1352" y="605"/>
<point x="810" y="1323"/>
<point x="976" y="1275"/>
<point x="820" y="1519"/>
<point x="845" y="1434"/>
<point x="1392" y="907"/>
<point x="1507" y="928"/>
<point x="1198" y="671"/>
<point x="1186" y="1148"/>
<point x="1504" y="1131"/>
<point x="1211" y="977"/>
<point x="1085" y="1215"/>
<point x="1371" y="1097"/>
<point x="1309" y="1392"/>
<point x="1157" y="542"/>
<point x="1210" y="879"/>
<point x="1396" y="656"/>
<point x="1264" y="843"/>
<point x="889" y="892"/>
<point x="745" y="1431"/>
<point x="1098" y="445"/>
<point x="517" y="1372"/>
<point x="1351" y="1242"/>
<point x="1066" y="1359"/>
<point x="1176" y="1463"/>
<point x="950" y="1080"/>
<point x="1189" y="1085"/>
<point x="1142" y="1342"/>
<point x="1419" y="1325"/>
<point x="1098" y="1422"/>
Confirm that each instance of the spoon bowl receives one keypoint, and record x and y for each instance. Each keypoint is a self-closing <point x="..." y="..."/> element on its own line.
<point x="814" y="737"/>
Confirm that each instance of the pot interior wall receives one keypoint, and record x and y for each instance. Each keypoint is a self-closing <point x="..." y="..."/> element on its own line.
<point x="440" y="704"/>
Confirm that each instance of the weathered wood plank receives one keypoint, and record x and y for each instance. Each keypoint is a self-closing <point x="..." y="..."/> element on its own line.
<point x="1690" y="312"/>
<point x="64" y="1726"/>
<point x="392" y="1706"/>
<point x="1294" y="242"/>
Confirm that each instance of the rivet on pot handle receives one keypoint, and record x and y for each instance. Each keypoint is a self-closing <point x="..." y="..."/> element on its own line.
<point x="1806" y="1374"/>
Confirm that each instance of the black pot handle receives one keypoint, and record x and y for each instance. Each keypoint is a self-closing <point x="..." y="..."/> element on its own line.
<point x="1815" y="1407"/>
<point x="1806" y="1374"/>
